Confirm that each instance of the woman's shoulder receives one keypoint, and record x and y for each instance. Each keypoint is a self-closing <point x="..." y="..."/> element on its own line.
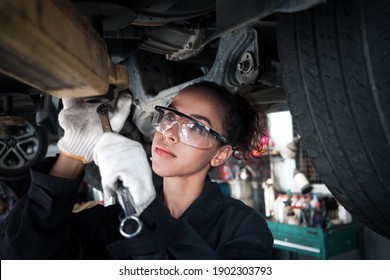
<point x="240" y="217"/>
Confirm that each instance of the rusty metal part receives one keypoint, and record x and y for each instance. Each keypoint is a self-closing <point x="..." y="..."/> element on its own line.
<point x="9" y="125"/>
<point x="12" y="120"/>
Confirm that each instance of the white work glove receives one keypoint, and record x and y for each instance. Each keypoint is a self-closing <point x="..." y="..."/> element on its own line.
<point x="120" y="158"/>
<point x="82" y="126"/>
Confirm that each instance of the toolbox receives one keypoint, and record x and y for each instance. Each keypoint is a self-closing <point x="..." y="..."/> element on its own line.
<point x="318" y="242"/>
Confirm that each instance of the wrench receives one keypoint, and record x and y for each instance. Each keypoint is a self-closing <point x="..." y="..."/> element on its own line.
<point x="123" y="193"/>
<point x="103" y="110"/>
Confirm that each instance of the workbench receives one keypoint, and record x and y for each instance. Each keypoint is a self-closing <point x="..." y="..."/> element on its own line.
<point x="318" y="242"/>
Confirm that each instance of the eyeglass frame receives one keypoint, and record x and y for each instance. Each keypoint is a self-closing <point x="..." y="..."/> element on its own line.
<point x="208" y="129"/>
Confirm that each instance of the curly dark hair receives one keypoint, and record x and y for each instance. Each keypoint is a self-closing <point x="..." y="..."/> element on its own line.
<point x="245" y="124"/>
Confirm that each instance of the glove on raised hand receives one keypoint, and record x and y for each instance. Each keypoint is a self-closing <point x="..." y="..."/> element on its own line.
<point x="82" y="126"/>
<point x="120" y="158"/>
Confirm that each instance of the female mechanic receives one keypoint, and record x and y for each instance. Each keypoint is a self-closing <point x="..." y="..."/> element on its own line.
<point x="187" y="217"/>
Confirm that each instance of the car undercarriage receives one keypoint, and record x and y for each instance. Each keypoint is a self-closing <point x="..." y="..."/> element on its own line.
<point x="326" y="62"/>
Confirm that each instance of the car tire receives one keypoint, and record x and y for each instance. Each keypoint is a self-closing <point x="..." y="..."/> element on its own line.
<point x="18" y="153"/>
<point x="336" y="73"/>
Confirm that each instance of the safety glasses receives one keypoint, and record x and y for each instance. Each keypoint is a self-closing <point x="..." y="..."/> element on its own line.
<point x="191" y="132"/>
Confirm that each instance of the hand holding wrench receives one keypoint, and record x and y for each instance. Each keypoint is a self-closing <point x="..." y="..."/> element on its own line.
<point x="123" y="193"/>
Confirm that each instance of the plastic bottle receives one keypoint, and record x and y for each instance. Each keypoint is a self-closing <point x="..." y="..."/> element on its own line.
<point x="313" y="201"/>
<point x="269" y="197"/>
<point x="299" y="205"/>
<point x="276" y="208"/>
<point x="291" y="218"/>
<point x="309" y="198"/>
<point x="294" y="200"/>
<point x="317" y="220"/>
<point x="285" y="205"/>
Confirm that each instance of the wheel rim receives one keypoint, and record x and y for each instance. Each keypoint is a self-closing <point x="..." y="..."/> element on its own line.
<point x="18" y="150"/>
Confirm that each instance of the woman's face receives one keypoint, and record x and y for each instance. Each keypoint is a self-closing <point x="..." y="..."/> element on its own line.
<point x="172" y="158"/>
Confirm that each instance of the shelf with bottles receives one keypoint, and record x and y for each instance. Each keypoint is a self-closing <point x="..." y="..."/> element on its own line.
<point x="313" y="224"/>
<point x="308" y="210"/>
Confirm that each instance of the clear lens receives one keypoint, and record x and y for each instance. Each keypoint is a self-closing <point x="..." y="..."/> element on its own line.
<point x="190" y="132"/>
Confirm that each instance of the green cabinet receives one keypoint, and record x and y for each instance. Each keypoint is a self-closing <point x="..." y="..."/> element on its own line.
<point x="317" y="242"/>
